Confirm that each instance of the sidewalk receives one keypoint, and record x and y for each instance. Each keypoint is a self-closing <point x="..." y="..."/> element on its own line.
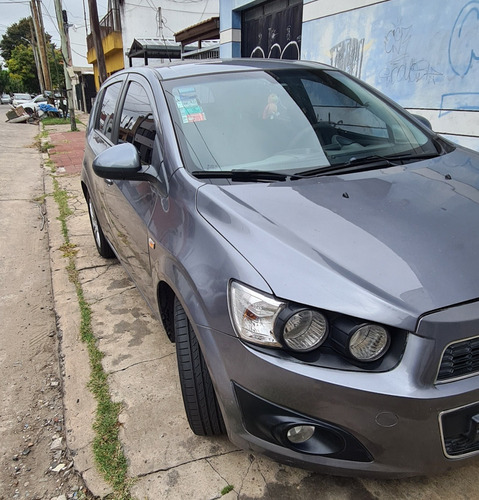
<point x="64" y="162"/>
<point x="67" y="153"/>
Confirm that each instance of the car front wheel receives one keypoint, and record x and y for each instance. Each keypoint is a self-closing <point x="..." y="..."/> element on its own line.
<point x="199" y="398"/>
<point x="102" y="245"/>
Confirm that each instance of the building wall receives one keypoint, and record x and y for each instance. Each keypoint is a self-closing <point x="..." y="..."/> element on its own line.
<point x="78" y="36"/>
<point x="113" y="52"/>
<point x="424" y="55"/>
<point x="153" y="19"/>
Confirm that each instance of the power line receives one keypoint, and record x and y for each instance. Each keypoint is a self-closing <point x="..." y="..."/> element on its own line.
<point x="53" y="20"/>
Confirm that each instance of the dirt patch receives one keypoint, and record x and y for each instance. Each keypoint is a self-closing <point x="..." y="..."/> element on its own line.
<point x="34" y="460"/>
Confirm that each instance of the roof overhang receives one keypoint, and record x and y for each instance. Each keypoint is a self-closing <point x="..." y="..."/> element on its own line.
<point x="154" y="48"/>
<point x="206" y="30"/>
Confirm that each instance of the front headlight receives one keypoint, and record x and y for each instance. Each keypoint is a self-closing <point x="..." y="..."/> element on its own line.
<point x="302" y="330"/>
<point x="364" y="342"/>
<point x="261" y="319"/>
<point x="369" y="342"/>
<point x="253" y="314"/>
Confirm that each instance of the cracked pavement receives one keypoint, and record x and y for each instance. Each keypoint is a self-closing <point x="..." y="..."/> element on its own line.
<point x="165" y="459"/>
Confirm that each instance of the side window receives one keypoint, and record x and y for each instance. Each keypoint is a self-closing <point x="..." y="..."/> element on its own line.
<point x="137" y="125"/>
<point x="346" y="112"/>
<point x="107" y="111"/>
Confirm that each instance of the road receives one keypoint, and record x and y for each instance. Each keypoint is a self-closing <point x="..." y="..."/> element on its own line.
<point x="32" y="434"/>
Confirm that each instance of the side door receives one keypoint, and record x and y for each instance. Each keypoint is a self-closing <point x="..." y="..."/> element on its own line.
<point x="101" y="134"/>
<point x="131" y="203"/>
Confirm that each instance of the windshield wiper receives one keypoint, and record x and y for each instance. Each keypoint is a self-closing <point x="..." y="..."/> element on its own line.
<point x="240" y="175"/>
<point x="366" y="160"/>
<point x="353" y="165"/>
<point x="358" y="163"/>
<point x="412" y="156"/>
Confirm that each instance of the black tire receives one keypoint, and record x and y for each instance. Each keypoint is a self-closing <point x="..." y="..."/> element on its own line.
<point x="102" y="245"/>
<point x="199" y="398"/>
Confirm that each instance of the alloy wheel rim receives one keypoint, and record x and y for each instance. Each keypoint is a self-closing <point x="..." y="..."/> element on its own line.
<point x="94" y="223"/>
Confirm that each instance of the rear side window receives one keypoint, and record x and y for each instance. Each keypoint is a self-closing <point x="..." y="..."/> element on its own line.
<point x="107" y="111"/>
<point x="137" y="125"/>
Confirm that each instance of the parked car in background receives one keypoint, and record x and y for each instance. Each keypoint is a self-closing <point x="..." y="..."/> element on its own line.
<point x="19" y="99"/>
<point x="310" y="247"/>
<point x="31" y="106"/>
<point x="6" y="99"/>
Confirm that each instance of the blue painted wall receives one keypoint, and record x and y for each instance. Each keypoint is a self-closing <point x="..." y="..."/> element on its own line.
<point x="423" y="54"/>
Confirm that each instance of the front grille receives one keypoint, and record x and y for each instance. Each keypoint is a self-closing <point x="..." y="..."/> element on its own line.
<point x="460" y="360"/>
<point x="460" y="446"/>
<point x="460" y="430"/>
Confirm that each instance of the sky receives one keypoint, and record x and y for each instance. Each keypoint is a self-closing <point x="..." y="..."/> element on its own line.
<point x="11" y="11"/>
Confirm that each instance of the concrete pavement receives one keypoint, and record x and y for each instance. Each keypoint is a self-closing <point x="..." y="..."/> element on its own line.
<point x="165" y="459"/>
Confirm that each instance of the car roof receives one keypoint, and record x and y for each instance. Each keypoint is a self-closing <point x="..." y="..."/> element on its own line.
<point x="185" y="68"/>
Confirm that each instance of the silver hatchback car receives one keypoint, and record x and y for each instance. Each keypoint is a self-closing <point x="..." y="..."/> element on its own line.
<point x="312" y="249"/>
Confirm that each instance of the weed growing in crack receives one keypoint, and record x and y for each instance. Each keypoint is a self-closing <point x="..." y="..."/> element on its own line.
<point x="69" y="249"/>
<point x="61" y="197"/>
<point x="109" y="456"/>
<point x="227" y="489"/>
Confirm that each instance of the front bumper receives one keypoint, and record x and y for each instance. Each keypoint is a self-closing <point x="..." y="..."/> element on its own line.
<point x="395" y="417"/>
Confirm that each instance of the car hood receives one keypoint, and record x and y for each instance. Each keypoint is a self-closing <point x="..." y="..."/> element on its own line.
<point x="386" y="245"/>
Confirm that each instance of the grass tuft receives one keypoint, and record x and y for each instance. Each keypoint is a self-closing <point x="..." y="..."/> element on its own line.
<point x="109" y="456"/>
<point x="61" y="197"/>
<point x="227" y="489"/>
<point x="52" y="120"/>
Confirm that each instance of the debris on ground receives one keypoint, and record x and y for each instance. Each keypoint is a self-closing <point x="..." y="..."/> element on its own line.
<point x="19" y="115"/>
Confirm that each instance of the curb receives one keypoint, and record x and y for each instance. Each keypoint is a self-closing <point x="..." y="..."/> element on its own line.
<point x="79" y="403"/>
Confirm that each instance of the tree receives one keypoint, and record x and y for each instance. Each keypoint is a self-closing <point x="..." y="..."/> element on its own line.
<point x="23" y="69"/>
<point x="56" y="67"/>
<point x="15" y="35"/>
<point x="5" y="85"/>
<point x="16" y="48"/>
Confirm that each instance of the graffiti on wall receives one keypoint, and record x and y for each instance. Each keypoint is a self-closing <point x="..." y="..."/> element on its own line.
<point x="272" y="33"/>
<point x="348" y="56"/>
<point x="424" y="55"/>
<point x="463" y="54"/>
<point x="420" y="61"/>
<point x="401" y="66"/>
<point x="290" y="51"/>
<point x="464" y="39"/>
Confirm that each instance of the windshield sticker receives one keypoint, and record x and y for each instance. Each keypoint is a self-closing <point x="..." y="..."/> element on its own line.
<point x="188" y="105"/>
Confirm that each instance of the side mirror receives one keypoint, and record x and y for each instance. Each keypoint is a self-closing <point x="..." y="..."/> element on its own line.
<point x="423" y="120"/>
<point x="120" y="162"/>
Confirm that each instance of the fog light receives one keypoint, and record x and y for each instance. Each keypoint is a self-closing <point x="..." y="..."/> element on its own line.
<point x="300" y="433"/>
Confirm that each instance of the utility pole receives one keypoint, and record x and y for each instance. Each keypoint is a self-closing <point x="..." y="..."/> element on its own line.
<point x="42" y="49"/>
<point x="38" y="65"/>
<point x="95" y="29"/>
<point x="63" y="30"/>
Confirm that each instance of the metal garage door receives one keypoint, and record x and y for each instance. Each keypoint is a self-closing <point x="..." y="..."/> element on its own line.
<point x="272" y="30"/>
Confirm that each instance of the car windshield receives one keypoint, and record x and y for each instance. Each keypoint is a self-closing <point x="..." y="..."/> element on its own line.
<point x="22" y="96"/>
<point x="287" y="121"/>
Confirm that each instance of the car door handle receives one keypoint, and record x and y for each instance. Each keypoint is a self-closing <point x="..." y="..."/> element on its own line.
<point x="109" y="182"/>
